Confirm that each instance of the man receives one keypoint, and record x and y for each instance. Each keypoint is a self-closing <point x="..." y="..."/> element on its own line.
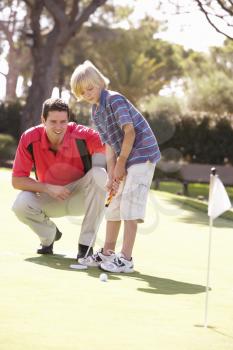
<point x="65" y="183"/>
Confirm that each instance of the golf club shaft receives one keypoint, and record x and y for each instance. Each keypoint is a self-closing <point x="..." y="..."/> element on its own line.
<point x="108" y="201"/>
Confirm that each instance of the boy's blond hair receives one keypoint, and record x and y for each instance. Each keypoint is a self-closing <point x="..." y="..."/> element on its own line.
<point x="84" y="75"/>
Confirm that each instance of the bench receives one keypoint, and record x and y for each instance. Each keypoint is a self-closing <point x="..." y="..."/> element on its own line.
<point x="200" y="173"/>
<point x="187" y="173"/>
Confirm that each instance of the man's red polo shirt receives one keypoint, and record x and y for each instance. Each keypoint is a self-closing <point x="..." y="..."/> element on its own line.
<point x="58" y="168"/>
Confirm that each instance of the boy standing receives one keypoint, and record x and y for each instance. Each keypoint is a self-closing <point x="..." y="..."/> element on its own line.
<point x="132" y="153"/>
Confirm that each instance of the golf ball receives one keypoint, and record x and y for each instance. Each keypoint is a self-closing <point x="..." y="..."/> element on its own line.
<point x="103" y="277"/>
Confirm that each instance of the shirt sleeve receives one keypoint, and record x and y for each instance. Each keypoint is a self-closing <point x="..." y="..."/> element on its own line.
<point x="23" y="162"/>
<point x="121" y="110"/>
<point x="92" y="139"/>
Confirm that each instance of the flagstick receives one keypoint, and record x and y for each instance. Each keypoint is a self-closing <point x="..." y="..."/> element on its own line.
<point x="208" y="271"/>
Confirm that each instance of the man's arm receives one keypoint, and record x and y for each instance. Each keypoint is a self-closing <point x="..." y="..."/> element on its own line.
<point x="28" y="184"/>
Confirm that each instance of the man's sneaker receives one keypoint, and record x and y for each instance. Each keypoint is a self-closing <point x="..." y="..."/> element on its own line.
<point x="82" y="250"/>
<point x="49" y="249"/>
<point x="58" y="235"/>
<point x="97" y="258"/>
<point x="45" y="249"/>
<point x="119" y="264"/>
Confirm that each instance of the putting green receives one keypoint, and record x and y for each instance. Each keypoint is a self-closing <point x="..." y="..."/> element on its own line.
<point x="46" y="305"/>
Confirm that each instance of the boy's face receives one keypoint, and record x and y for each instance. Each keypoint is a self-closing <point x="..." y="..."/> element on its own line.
<point x="91" y="94"/>
<point x="56" y="126"/>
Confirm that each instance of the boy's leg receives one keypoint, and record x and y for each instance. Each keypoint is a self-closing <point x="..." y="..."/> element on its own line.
<point x="130" y="230"/>
<point x="113" y="219"/>
<point x="135" y="192"/>
<point x="133" y="203"/>
<point x="112" y="231"/>
<point x="107" y="253"/>
<point x="132" y="211"/>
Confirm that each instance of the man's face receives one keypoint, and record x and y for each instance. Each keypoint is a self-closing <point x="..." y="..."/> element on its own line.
<point x="56" y="126"/>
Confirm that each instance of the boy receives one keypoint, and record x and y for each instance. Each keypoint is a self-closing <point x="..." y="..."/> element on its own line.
<point x="131" y="152"/>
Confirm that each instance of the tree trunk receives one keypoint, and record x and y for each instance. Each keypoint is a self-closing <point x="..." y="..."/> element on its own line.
<point x="45" y="69"/>
<point x="12" y="75"/>
<point x="46" y="49"/>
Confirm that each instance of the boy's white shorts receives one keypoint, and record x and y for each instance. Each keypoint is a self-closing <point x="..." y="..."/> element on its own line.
<point x="131" y="198"/>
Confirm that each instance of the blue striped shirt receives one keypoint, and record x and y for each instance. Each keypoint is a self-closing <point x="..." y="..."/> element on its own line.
<point x="113" y="112"/>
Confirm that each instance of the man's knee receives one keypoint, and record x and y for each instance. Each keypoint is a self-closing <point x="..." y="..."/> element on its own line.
<point x="23" y="204"/>
<point x="100" y="177"/>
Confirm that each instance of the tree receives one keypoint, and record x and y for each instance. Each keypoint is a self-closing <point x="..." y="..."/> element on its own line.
<point x="209" y="85"/>
<point x="222" y="57"/>
<point x="142" y="72"/>
<point x="211" y="93"/>
<point x="18" y="57"/>
<point x="218" y="13"/>
<point x="52" y="25"/>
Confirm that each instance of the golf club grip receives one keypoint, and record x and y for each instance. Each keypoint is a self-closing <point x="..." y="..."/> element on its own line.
<point x="109" y="199"/>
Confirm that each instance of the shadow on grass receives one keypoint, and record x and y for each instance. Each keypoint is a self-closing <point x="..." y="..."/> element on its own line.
<point x="156" y="285"/>
<point x="214" y="329"/>
<point x="197" y="216"/>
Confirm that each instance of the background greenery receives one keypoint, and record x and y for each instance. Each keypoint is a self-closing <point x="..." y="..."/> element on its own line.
<point x="185" y="95"/>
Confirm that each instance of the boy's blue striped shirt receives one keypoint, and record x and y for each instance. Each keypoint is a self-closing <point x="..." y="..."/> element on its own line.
<point x="113" y="112"/>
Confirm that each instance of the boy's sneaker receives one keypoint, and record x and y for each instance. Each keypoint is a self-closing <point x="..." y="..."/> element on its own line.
<point x="97" y="258"/>
<point x="118" y="264"/>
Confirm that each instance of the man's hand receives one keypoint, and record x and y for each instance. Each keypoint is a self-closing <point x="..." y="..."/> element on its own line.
<point x="58" y="192"/>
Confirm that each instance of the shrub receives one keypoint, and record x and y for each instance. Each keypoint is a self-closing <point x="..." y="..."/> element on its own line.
<point x="10" y="114"/>
<point x="7" y="147"/>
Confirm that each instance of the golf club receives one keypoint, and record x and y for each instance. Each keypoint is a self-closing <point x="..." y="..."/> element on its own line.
<point x="83" y="267"/>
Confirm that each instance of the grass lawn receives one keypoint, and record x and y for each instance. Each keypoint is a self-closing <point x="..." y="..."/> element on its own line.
<point x="195" y="190"/>
<point x="45" y="305"/>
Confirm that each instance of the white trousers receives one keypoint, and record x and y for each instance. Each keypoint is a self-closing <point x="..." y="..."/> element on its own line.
<point x="87" y="198"/>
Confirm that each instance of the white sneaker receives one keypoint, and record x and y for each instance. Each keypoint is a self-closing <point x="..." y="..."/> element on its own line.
<point x="118" y="264"/>
<point x="97" y="258"/>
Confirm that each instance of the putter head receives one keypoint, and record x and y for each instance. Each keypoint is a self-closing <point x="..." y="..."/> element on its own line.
<point x="78" y="267"/>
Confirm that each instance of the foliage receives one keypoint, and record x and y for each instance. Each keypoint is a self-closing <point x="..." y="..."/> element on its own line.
<point x="135" y="70"/>
<point x="7" y="146"/>
<point x="208" y="80"/>
<point x="194" y="139"/>
<point x="222" y="57"/>
<point x="162" y="112"/>
<point x="211" y="93"/>
<point x="80" y="113"/>
<point x="10" y="114"/>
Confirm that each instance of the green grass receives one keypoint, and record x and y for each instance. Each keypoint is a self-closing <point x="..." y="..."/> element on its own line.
<point x="195" y="190"/>
<point x="45" y="305"/>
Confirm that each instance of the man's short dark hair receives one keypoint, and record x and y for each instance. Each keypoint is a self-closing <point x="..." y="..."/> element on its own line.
<point x="54" y="104"/>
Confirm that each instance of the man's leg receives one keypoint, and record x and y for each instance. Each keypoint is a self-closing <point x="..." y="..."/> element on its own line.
<point x="28" y="208"/>
<point x="88" y="196"/>
<point x="91" y="188"/>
